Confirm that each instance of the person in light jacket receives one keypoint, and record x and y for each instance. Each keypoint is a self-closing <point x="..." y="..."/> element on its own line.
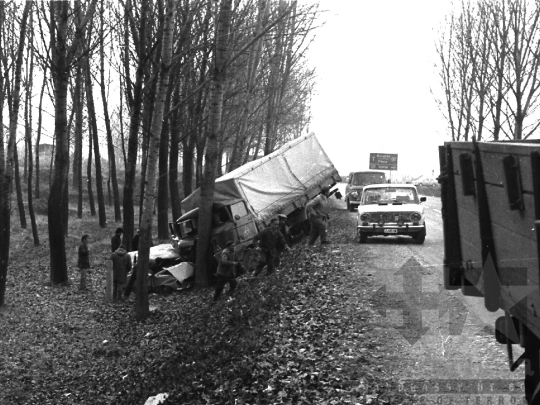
<point x="317" y="211"/>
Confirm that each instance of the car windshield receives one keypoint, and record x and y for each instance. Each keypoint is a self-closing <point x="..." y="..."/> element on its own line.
<point x="363" y="179"/>
<point x="390" y="195"/>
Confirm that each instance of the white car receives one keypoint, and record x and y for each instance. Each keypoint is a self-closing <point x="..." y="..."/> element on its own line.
<point x="389" y="210"/>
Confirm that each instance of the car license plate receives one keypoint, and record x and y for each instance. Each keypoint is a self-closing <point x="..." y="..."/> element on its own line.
<point x="390" y="231"/>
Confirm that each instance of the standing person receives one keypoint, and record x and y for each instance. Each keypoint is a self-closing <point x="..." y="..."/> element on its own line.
<point x="84" y="260"/>
<point x="268" y="241"/>
<point x="135" y="241"/>
<point x="116" y="240"/>
<point x="318" y="217"/>
<point x="227" y="270"/>
<point x="121" y="267"/>
<point x="283" y="229"/>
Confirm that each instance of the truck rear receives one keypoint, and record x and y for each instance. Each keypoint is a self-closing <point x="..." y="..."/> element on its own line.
<point x="490" y="194"/>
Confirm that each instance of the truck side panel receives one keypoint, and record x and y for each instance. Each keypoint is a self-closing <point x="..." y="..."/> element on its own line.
<point x="513" y="230"/>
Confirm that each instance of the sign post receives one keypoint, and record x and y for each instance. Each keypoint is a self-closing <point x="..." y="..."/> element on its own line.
<point x="383" y="161"/>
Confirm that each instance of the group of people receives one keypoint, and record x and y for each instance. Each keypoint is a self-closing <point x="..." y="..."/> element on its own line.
<point x="121" y="262"/>
<point x="271" y="242"/>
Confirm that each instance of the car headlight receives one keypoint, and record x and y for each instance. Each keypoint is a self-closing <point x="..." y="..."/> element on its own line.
<point x="364" y="217"/>
<point x="415" y="216"/>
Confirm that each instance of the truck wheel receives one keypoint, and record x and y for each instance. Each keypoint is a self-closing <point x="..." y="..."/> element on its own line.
<point x="420" y="237"/>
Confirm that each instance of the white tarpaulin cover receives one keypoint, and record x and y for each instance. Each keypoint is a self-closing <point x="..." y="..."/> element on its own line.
<point x="270" y="183"/>
<point x="181" y="271"/>
<point x="164" y="251"/>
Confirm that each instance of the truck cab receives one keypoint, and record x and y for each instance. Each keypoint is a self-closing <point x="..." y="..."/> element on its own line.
<point x="229" y="222"/>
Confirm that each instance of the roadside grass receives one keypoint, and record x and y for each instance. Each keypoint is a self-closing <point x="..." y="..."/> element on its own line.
<point x="429" y="191"/>
<point x="299" y="336"/>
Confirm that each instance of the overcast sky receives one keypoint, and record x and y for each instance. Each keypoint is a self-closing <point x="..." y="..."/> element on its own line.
<point x="374" y="62"/>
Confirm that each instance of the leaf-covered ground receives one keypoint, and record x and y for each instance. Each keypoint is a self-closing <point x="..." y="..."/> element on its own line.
<point x="303" y="335"/>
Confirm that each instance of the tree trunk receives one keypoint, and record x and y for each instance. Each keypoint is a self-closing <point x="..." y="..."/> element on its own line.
<point x="89" y="174"/>
<point x="18" y="189"/>
<point x="38" y="136"/>
<point x="110" y="146"/>
<point x="28" y="135"/>
<point x="135" y="115"/>
<point x="142" y="304"/>
<point x="173" y="159"/>
<point x="6" y="171"/>
<point x="163" y="178"/>
<point x="253" y="64"/>
<point x="61" y="57"/>
<point x="97" y="156"/>
<point x="204" y="246"/>
<point x="77" y="155"/>
<point x="60" y="73"/>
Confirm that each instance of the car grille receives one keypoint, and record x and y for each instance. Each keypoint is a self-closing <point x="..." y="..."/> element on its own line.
<point x="390" y="216"/>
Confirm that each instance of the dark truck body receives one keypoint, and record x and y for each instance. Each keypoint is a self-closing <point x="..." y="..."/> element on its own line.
<point x="490" y="194"/>
<point x="246" y="198"/>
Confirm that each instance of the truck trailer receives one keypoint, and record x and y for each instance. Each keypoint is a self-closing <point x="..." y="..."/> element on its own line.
<point x="490" y="194"/>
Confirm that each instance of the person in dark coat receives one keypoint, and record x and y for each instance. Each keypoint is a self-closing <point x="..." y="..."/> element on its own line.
<point x="84" y="260"/>
<point x="121" y="267"/>
<point x="226" y="271"/>
<point x="267" y="242"/>
<point x="116" y="240"/>
<point x="283" y="229"/>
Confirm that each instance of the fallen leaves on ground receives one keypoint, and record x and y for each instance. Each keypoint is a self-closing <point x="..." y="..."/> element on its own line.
<point x="303" y="335"/>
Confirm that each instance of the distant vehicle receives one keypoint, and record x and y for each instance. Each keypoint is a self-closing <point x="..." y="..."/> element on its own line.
<point x="389" y="210"/>
<point x="355" y="184"/>
<point x="426" y="182"/>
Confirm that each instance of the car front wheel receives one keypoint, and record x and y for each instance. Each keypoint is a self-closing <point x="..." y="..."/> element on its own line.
<point x="362" y="237"/>
<point x="420" y="237"/>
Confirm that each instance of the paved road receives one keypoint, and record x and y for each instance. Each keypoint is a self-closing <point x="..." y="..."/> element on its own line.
<point x="435" y="335"/>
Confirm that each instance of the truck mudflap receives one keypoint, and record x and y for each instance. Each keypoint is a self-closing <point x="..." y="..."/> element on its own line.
<point x="490" y="193"/>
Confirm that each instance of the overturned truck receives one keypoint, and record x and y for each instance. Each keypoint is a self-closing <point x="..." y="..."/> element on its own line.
<point x="246" y="198"/>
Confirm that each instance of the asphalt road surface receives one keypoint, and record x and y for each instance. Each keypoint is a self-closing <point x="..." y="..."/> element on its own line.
<point x="440" y="343"/>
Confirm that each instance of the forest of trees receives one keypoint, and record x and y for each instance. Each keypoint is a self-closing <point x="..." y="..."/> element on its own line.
<point x="489" y="59"/>
<point x="155" y="98"/>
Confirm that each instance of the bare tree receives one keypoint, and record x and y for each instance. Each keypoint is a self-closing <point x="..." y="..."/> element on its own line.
<point x="28" y="133"/>
<point x="142" y="304"/>
<point x="489" y="69"/>
<point x="110" y="146"/>
<point x="6" y="169"/>
<point x="62" y="54"/>
<point x="135" y="98"/>
<point x="211" y="157"/>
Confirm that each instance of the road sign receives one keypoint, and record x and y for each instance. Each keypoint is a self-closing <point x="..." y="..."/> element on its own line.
<point x="383" y="161"/>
